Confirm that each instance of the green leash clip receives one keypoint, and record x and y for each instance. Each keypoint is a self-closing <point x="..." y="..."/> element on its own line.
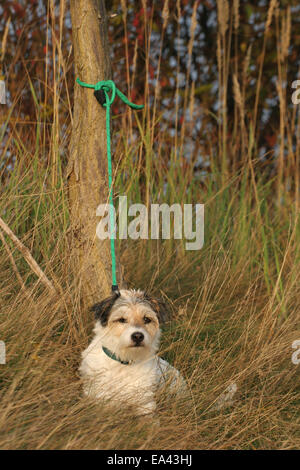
<point x="102" y="90"/>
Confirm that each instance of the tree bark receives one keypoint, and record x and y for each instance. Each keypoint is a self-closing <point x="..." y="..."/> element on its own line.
<point x="87" y="168"/>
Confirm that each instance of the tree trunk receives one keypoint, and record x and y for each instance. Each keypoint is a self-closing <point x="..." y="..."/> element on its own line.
<point x="87" y="168"/>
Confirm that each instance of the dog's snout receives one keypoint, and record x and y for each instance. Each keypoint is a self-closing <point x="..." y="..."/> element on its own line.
<point x="137" y="337"/>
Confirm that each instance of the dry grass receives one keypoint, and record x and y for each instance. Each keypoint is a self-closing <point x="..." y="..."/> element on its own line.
<point x="235" y="303"/>
<point x="229" y="329"/>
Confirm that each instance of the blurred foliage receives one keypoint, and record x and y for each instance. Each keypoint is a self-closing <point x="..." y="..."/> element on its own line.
<point x="140" y="45"/>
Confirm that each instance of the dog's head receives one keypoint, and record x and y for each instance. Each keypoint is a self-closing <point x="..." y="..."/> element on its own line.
<point x="128" y="323"/>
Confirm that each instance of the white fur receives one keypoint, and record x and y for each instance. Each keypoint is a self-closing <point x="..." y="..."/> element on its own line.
<point x="127" y="384"/>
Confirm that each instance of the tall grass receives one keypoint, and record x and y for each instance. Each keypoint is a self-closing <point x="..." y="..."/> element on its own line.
<point x="235" y="303"/>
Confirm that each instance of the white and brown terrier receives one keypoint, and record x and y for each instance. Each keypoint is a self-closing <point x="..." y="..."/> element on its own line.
<point x="120" y="365"/>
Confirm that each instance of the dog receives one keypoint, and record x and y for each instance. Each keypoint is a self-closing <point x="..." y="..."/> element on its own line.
<point x="121" y="365"/>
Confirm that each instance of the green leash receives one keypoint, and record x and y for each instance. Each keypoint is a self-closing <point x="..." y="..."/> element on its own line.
<point x="102" y="90"/>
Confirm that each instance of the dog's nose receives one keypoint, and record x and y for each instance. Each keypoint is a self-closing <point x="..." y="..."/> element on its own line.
<point x="137" y="337"/>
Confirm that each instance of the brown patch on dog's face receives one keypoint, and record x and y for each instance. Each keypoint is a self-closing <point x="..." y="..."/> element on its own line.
<point x="137" y="316"/>
<point x="131" y="322"/>
<point x="159" y="307"/>
<point x="102" y="309"/>
<point x="127" y="321"/>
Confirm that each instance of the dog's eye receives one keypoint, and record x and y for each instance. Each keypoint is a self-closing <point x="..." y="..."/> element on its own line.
<point x="147" y="320"/>
<point x="121" y="320"/>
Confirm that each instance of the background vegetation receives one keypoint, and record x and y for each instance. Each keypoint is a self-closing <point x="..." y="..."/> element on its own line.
<point x="218" y="128"/>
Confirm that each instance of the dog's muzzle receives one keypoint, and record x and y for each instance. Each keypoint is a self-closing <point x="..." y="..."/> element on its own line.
<point x="137" y="338"/>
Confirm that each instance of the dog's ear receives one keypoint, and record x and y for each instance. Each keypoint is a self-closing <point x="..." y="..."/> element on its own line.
<point x="159" y="307"/>
<point x="102" y="309"/>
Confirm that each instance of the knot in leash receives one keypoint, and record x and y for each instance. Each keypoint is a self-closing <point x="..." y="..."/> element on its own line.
<point x="105" y="92"/>
<point x="102" y="90"/>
